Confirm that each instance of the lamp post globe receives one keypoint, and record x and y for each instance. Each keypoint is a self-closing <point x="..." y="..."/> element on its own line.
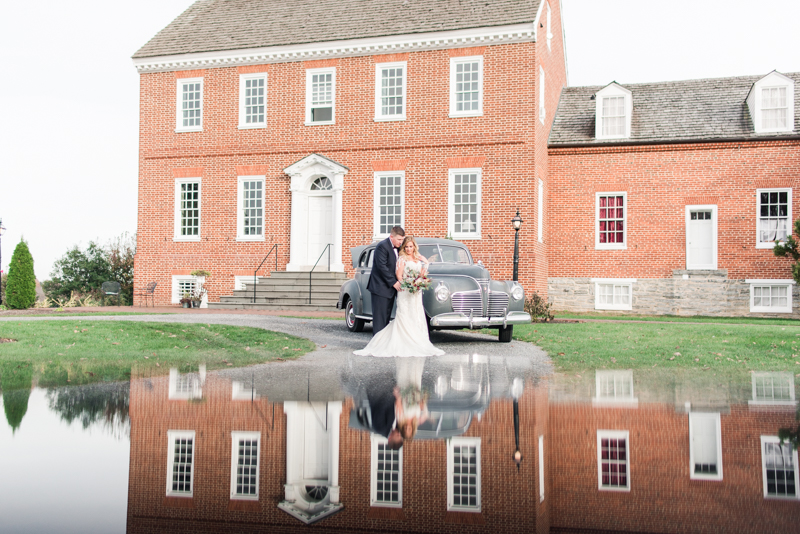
<point x="516" y="222"/>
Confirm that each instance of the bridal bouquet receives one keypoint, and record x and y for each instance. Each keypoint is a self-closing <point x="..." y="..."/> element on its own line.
<point x="415" y="281"/>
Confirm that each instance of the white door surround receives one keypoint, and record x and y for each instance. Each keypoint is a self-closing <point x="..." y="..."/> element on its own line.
<point x="304" y="240"/>
<point x="701" y="237"/>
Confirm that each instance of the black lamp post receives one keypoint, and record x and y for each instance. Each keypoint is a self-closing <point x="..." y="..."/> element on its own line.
<point x="2" y="229"/>
<point x="516" y="222"/>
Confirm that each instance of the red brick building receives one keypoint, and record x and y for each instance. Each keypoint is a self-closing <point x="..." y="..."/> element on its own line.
<point x="303" y="124"/>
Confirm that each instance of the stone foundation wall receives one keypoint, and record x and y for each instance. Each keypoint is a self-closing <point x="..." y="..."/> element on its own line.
<point x="686" y="293"/>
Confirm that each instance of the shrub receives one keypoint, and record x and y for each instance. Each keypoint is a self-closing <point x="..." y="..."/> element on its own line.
<point x="538" y="309"/>
<point x="21" y="286"/>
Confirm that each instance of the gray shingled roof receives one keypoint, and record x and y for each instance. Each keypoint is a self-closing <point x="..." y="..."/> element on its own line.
<point x="668" y="111"/>
<point x="213" y="25"/>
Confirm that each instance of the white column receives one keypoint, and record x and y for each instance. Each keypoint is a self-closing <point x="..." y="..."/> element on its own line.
<point x="336" y="256"/>
<point x="334" y="413"/>
<point x="298" y="248"/>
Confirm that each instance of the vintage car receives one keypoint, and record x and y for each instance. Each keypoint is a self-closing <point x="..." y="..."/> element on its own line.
<point x="462" y="295"/>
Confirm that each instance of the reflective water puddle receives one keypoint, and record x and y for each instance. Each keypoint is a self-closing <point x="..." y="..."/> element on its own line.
<point x="457" y="443"/>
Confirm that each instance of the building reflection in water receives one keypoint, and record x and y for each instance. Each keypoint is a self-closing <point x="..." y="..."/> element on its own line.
<point x="282" y="447"/>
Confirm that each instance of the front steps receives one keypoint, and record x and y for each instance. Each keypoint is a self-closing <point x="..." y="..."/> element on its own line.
<point x="287" y="291"/>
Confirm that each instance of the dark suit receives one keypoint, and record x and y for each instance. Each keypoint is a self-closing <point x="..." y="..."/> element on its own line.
<point x="381" y="406"/>
<point x="381" y="284"/>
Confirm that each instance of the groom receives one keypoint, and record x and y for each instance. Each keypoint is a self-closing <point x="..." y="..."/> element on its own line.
<point x="383" y="282"/>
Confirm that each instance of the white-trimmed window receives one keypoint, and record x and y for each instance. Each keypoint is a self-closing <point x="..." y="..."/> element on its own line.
<point x="614" y="387"/>
<point x="250" y="209"/>
<point x="189" y="111"/>
<point x="770" y="296"/>
<point x="390" y="91"/>
<point x="705" y="446"/>
<point x="186" y="386"/>
<point x="466" y="86"/>
<point x="465" y="204"/>
<point x="389" y="191"/>
<point x="386" y="474"/>
<point x="542" y="107"/>
<point x="611" y="217"/>
<point x="464" y="474"/>
<point x="549" y="28"/>
<point x="540" y="211"/>
<point x="779" y="468"/>
<point x="253" y="100"/>
<point x="245" y="459"/>
<point x="321" y="96"/>
<point x="180" y="463"/>
<point x="182" y="285"/>
<point x="613" y="460"/>
<point x="187" y="209"/>
<point x="613" y="110"/>
<point x="771" y="104"/>
<point x="243" y="392"/>
<point x="613" y="293"/>
<point x="774" y="216"/>
<point x="541" y="468"/>
<point x="773" y="388"/>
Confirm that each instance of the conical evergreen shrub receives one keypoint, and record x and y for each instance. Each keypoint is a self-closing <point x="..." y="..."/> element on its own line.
<point x="21" y="285"/>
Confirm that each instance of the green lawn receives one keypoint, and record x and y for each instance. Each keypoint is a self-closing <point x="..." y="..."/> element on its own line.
<point x="86" y="351"/>
<point x="681" y="319"/>
<point x="619" y="345"/>
<point x="65" y="313"/>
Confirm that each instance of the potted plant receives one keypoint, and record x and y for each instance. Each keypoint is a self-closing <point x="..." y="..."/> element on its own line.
<point x="186" y="300"/>
<point x="200" y="292"/>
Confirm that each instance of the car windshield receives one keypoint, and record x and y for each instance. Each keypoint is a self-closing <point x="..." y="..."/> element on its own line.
<point x="444" y="254"/>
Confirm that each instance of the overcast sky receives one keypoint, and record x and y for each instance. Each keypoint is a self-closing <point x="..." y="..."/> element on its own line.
<point x="69" y="94"/>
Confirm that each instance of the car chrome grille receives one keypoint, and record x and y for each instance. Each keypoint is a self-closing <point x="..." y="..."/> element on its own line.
<point x="468" y="300"/>
<point x="498" y="303"/>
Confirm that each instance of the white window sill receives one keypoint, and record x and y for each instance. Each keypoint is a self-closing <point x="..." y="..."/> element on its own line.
<point x="610" y="137"/>
<point x="252" y="126"/>
<point x="694" y="476"/>
<point x="774" y="131"/>
<point x="320" y="123"/>
<point x="186" y="239"/>
<point x="186" y="130"/>
<point x="771" y="403"/>
<point x="244" y="497"/>
<point x="615" y="403"/>
<point x="246" y="238"/>
<point x="390" y="119"/>
<point x="615" y="246"/>
<point x="768" y="245"/>
<point x="465" y="236"/>
<point x="457" y="115"/>
<point x="615" y="489"/>
<point x="613" y="308"/>
<point x="765" y="309"/>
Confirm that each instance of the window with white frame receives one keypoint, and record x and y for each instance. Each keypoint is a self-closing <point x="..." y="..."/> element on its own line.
<point x="245" y="459"/>
<point x="250" y="212"/>
<point x="771" y="104"/>
<point x="779" y="468"/>
<point x="774" y="216"/>
<point x="466" y="86"/>
<point x="613" y="293"/>
<point x="386" y="479"/>
<point x="773" y="388"/>
<point x="770" y="296"/>
<point x="183" y="286"/>
<point x="705" y="446"/>
<point x="320" y="96"/>
<point x="187" y="209"/>
<point x="611" y="217"/>
<point x="614" y="106"/>
<point x="180" y="463"/>
<point x="541" y="468"/>
<point x="464" y="474"/>
<point x="540" y="211"/>
<point x="189" y="116"/>
<point x="614" y="386"/>
<point x="186" y="386"/>
<point x="465" y="204"/>
<point x="390" y="91"/>
<point x="253" y="100"/>
<point x="613" y="460"/>
<point x="774" y="108"/>
<point x="389" y="201"/>
<point x="242" y="391"/>
<point x="542" y="108"/>
<point x="549" y="27"/>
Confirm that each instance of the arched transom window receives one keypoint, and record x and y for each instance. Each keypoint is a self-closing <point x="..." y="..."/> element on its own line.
<point x="322" y="184"/>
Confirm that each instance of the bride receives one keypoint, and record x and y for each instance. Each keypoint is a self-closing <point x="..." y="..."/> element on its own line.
<point x="407" y="334"/>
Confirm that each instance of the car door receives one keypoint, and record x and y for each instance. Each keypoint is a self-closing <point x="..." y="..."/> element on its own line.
<point x="362" y="276"/>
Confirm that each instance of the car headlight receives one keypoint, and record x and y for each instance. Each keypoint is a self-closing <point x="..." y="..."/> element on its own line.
<point x="517" y="293"/>
<point x="442" y="293"/>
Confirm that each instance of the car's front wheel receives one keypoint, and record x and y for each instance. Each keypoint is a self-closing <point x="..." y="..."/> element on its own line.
<point x="504" y="334"/>
<point x="354" y="324"/>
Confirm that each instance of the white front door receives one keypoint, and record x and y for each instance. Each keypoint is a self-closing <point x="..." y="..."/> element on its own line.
<point x="320" y="229"/>
<point x="315" y="446"/>
<point x="701" y="237"/>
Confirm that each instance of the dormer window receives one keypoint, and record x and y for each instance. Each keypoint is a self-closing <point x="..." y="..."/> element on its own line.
<point x="613" y="112"/>
<point x="771" y="103"/>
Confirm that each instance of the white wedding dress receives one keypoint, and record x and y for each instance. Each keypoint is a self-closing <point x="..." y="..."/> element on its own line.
<point x="407" y="334"/>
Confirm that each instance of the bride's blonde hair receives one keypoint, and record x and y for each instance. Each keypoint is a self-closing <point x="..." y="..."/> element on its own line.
<point x="406" y="241"/>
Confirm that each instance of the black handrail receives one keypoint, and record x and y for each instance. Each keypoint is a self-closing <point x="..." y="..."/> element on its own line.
<point x="275" y="249"/>
<point x="328" y="248"/>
